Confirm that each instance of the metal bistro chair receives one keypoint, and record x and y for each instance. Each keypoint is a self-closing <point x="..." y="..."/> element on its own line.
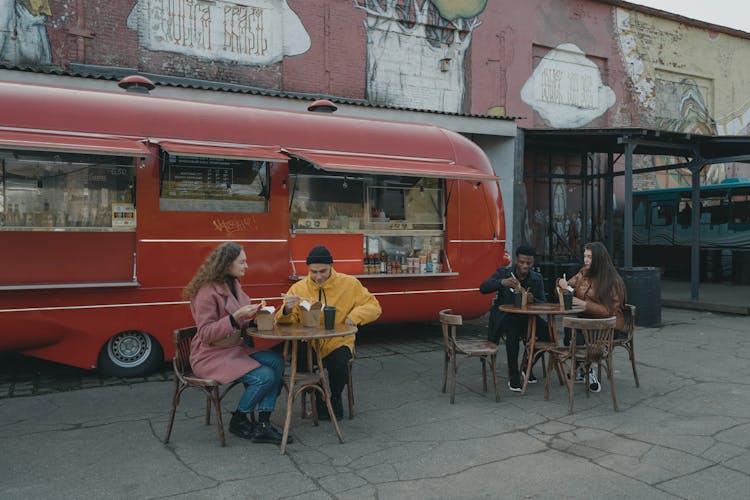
<point x="625" y="338"/>
<point x="184" y="378"/>
<point x="485" y="350"/>
<point x="597" y="336"/>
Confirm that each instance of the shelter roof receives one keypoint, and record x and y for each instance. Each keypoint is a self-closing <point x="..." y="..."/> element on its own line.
<point x="710" y="148"/>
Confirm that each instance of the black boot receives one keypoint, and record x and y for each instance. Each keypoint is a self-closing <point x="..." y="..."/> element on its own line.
<point x="240" y="426"/>
<point x="336" y="403"/>
<point x="265" y="432"/>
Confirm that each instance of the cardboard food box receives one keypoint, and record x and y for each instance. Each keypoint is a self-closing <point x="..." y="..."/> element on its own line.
<point x="310" y="313"/>
<point x="265" y="318"/>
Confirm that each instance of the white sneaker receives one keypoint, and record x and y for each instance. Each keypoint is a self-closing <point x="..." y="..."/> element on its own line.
<point x="579" y="376"/>
<point x="532" y="378"/>
<point x="594" y="385"/>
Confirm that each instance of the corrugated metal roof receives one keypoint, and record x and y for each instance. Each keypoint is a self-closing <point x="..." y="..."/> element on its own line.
<point x="114" y="73"/>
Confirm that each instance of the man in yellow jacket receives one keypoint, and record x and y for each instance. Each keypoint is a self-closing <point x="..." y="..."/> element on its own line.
<point x="354" y="304"/>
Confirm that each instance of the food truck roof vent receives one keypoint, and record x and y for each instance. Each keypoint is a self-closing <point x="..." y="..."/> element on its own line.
<point x="322" y="106"/>
<point x="136" y="83"/>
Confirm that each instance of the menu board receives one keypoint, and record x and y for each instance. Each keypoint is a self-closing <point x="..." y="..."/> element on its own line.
<point x="195" y="182"/>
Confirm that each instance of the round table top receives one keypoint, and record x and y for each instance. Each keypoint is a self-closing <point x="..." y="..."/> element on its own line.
<point x="295" y="331"/>
<point x="550" y="308"/>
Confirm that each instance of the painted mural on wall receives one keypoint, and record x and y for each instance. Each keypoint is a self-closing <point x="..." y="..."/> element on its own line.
<point x="416" y="51"/>
<point x="240" y="31"/>
<point x="566" y="88"/>
<point x="673" y="90"/>
<point x="23" y="32"/>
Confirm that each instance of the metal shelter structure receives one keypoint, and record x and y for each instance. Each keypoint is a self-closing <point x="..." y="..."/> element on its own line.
<point x="695" y="152"/>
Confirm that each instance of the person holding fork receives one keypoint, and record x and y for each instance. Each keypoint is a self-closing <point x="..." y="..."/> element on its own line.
<point x="505" y="282"/>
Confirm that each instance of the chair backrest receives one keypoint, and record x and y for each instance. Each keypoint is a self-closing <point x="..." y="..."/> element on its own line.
<point x="629" y="316"/>
<point x="597" y="335"/>
<point x="449" y="322"/>
<point x="182" y="339"/>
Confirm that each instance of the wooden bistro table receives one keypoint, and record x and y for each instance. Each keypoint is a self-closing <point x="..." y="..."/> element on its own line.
<point x="297" y="383"/>
<point x="535" y="349"/>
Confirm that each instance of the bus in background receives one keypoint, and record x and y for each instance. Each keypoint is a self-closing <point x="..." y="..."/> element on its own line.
<point x="662" y="230"/>
<point x="109" y="201"/>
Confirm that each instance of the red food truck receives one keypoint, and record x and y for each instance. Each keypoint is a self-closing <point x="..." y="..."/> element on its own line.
<point x="109" y="201"/>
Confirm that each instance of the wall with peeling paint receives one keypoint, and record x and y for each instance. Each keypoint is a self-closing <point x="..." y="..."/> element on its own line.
<point x="552" y="63"/>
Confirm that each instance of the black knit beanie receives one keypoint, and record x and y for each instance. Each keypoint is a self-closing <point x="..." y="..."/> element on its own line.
<point x="319" y="255"/>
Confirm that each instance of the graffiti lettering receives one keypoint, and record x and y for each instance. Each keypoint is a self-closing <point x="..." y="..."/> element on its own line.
<point x="551" y="85"/>
<point x="243" y="30"/>
<point x="565" y="87"/>
<point x="186" y="23"/>
<point x="230" y="226"/>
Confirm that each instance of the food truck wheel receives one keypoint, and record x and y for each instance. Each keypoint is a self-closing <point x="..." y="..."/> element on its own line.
<point x="130" y="354"/>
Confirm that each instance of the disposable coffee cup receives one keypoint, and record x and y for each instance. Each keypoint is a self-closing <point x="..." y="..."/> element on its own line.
<point x="329" y="317"/>
<point x="517" y="299"/>
<point x="568" y="300"/>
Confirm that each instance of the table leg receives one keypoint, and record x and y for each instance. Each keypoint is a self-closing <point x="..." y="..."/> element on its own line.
<point x="530" y="342"/>
<point x="326" y="392"/>
<point x="290" y="397"/>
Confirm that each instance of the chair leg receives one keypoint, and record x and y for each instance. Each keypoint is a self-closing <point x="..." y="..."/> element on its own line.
<point x="350" y="391"/>
<point x="571" y="382"/>
<point x="175" y="402"/>
<point x="445" y="370"/>
<point x="586" y="382"/>
<point x="208" y="408"/>
<point x="217" y="405"/>
<point x="631" y="353"/>
<point x="484" y="374"/>
<point x="493" y="367"/>
<point x="453" y="381"/>
<point x="548" y="379"/>
<point x="611" y="379"/>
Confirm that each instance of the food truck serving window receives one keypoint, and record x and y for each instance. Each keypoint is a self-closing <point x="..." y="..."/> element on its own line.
<point x="354" y="203"/>
<point x="74" y="191"/>
<point x="204" y="184"/>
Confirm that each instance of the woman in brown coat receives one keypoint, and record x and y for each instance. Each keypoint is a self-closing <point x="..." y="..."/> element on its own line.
<point x="599" y="289"/>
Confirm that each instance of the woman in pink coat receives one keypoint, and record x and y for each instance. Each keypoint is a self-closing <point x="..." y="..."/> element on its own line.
<point x="222" y="311"/>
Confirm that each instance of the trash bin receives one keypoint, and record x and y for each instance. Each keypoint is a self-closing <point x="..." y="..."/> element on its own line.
<point x="741" y="267"/>
<point x="710" y="266"/>
<point x="643" y="285"/>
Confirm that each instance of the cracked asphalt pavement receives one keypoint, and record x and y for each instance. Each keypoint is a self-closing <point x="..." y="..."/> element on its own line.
<point x="685" y="433"/>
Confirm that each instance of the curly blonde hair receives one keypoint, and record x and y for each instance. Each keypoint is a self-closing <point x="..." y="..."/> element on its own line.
<point x="214" y="268"/>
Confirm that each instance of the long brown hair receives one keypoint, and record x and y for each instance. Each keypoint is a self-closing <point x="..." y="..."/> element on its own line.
<point x="214" y="269"/>
<point x="606" y="280"/>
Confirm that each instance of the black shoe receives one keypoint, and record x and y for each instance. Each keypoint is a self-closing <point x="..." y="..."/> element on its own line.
<point x="514" y="384"/>
<point x="265" y="433"/>
<point x="240" y="426"/>
<point x="336" y="404"/>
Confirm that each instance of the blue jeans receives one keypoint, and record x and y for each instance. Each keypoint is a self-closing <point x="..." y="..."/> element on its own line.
<point x="262" y="384"/>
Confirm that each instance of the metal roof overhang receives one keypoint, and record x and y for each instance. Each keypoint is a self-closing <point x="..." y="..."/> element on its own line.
<point x="710" y="149"/>
<point x="45" y="141"/>
<point x="216" y="150"/>
<point x="389" y="165"/>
